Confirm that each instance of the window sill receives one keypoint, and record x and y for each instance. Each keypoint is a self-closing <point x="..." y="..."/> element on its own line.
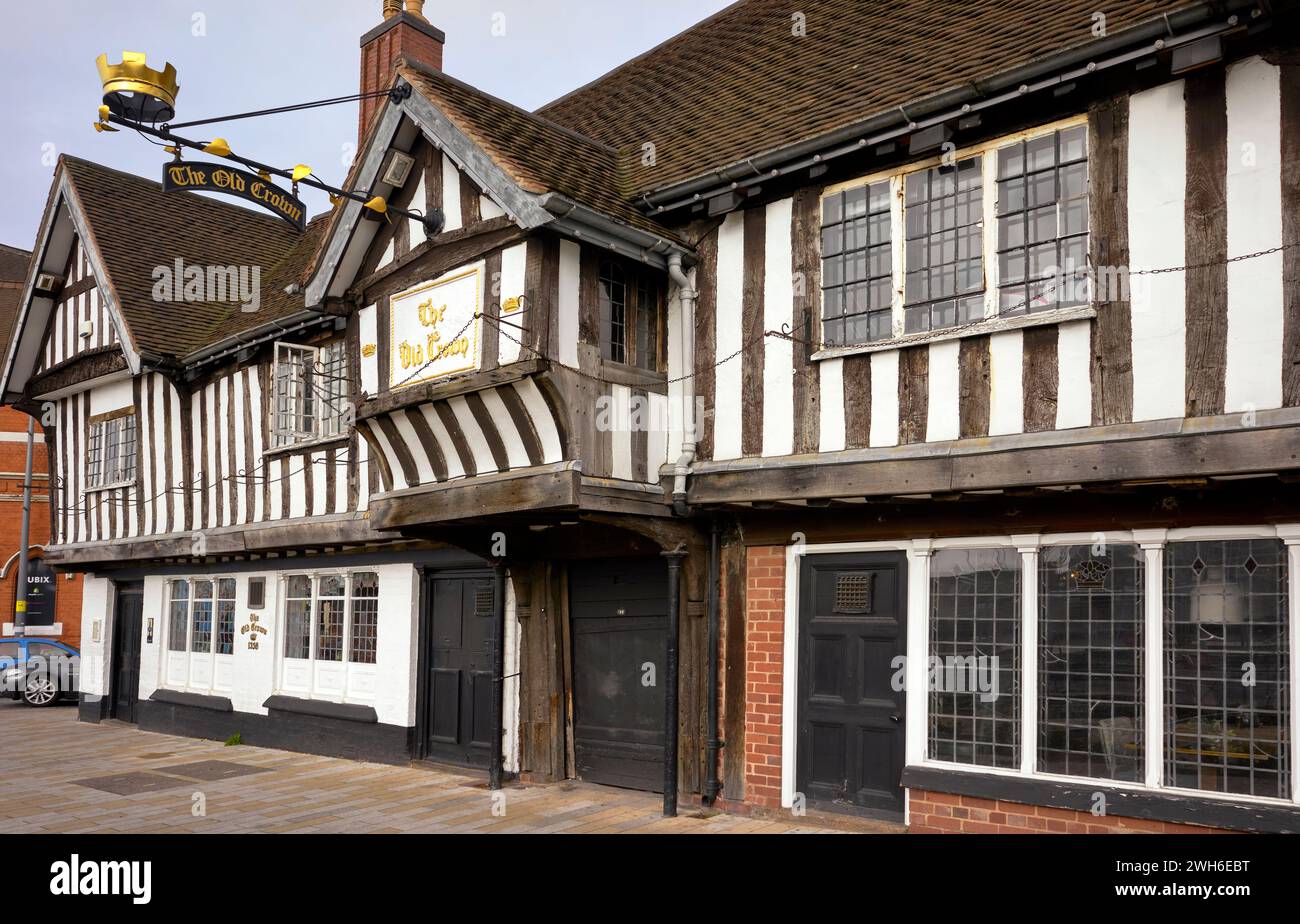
<point x="115" y="486"/>
<point x="194" y="700"/>
<point x="322" y="709"/>
<point x="320" y="442"/>
<point x="632" y="376"/>
<point x="980" y="328"/>
<point x="1180" y="806"/>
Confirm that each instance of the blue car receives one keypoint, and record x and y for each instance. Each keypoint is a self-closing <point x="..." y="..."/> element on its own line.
<point x="38" y="671"/>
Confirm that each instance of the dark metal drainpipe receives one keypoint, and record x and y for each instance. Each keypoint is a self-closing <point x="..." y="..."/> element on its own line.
<point x="496" y="758"/>
<point x="711" y="784"/>
<point x="670" y="681"/>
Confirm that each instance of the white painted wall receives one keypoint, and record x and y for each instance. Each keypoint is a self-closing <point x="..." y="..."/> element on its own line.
<point x="729" y="337"/>
<point x="943" y="422"/>
<point x="1006" y="383"/>
<point x="884" y="398"/>
<point x="567" y="329"/>
<point x="1157" y="180"/>
<point x="252" y="676"/>
<point x="96" y="613"/>
<point x="832" y="423"/>
<point x="778" y="313"/>
<point x="1255" y="322"/>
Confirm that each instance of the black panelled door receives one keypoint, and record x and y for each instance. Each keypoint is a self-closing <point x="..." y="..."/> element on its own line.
<point x="852" y="626"/>
<point x="127" y="609"/>
<point x="619" y="617"/>
<point x="458" y="669"/>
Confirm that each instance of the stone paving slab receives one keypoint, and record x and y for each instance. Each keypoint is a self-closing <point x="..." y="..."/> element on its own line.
<point x="65" y="776"/>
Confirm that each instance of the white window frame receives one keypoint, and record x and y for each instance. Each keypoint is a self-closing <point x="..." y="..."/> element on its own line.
<point x="331" y="392"/>
<point x="1152" y="542"/>
<point x="993" y="321"/>
<point x="124" y="466"/>
<point x="349" y="670"/>
<point x="218" y="666"/>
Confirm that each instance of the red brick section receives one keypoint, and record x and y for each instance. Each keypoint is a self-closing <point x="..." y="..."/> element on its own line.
<point x="377" y="57"/>
<point x="13" y="458"/>
<point x="764" y="645"/>
<point x="942" y="813"/>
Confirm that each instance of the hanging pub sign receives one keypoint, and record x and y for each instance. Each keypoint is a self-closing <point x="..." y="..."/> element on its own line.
<point x="40" y="593"/>
<point x="434" y="328"/>
<point x="201" y="177"/>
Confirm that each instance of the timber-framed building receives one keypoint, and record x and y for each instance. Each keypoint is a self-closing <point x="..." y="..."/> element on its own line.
<point x="873" y="408"/>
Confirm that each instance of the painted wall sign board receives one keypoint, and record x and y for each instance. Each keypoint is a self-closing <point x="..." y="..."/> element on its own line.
<point x="434" y="328"/>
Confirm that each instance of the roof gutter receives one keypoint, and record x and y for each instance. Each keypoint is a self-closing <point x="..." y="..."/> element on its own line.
<point x="256" y="335"/>
<point x="587" y="224"/>
<point x="1050" y="72"/>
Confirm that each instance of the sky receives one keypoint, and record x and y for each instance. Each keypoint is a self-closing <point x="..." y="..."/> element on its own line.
<point x="238" y="55"/>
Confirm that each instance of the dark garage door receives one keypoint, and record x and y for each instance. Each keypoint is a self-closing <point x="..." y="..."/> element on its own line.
<point x="618" y="614"/>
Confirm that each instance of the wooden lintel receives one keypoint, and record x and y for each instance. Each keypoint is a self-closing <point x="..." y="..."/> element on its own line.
<point x="1164" y="457"/>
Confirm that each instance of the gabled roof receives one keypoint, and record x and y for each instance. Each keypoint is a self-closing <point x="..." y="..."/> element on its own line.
<point x="539" y="155"/>
<point x="129" y="228"/>
<point x="741" y="83"/>
<point x="138" y="227"/>
<point x="538" y="172"/>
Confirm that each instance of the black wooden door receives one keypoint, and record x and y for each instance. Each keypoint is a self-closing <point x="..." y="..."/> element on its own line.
<point x="618" y="613"/>
<point x="127" y="609"/>
<point x="852" y="625"/>
<point x="459" y="629"/>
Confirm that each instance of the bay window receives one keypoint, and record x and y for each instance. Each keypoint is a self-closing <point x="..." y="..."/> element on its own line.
<point x="1000" y="230"/>
<point x="1187" y="629"/>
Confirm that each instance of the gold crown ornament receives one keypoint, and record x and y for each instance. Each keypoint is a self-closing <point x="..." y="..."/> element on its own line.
<point x="133" y="90"/>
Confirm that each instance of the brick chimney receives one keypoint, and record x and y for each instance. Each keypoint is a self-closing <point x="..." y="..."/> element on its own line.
<point x="404" y="33"/>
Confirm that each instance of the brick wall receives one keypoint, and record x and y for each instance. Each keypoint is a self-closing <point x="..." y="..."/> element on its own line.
<point x="13" y="458"/>
<point x="764" y="645"/>
<point x="941" y="813"/>
<point x="377" y="57"/>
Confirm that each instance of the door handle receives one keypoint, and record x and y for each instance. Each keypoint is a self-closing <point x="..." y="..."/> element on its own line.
<point x="895" y="718"/>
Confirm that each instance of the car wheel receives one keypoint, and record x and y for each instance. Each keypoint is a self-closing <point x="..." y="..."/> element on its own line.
<point x="40" y="692"/>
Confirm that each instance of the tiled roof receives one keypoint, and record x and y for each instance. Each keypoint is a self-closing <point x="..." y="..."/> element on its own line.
<point x="137" y="227"/>
<point x="13" y="276"/>
<point x="13" y="264"/>
<point x="538" y="154"/>
<point x="741" y="83"/>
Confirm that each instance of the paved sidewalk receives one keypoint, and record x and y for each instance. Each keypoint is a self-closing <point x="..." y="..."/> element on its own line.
<point x="61" y="775"/>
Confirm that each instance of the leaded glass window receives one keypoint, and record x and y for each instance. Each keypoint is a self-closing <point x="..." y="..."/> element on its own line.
<point x="857" y="266"/>
<point x="178" y="615"/>
<point x="297" y="617"/>
<point x="944" y="251"/>
<point x="365" y="617"/>
<point x="225" y="643"/>
<point x="974" y="651"/>
<point x="1227" y="666"/>
<point x="1090" y="641"/>
<point x="1043" y="222"/>
<point x="201" y="618"/>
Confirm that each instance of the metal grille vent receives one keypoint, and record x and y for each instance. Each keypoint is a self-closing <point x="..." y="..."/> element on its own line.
<point x="853" y="591"/>
<point x="484" y="599"/>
